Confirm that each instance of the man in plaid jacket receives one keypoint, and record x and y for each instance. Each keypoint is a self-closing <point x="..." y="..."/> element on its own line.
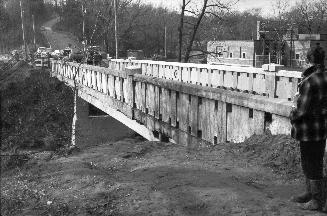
<point x="309" y="126"/>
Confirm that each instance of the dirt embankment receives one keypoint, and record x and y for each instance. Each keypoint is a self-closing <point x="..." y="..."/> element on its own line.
<point x="36" y="111"/>
<point x="136" y="177"/>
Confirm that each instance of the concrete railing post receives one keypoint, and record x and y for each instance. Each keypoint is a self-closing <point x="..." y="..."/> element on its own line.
<point x="271" y="85"/>
<point x="131" y="71"/>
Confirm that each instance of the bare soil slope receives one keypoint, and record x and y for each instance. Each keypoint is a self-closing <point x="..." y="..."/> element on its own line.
<point x="136" y="177"/>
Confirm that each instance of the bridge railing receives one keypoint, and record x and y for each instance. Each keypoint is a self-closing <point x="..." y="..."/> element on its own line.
<point x="189" y="114"/>
<point x="118" y="85"/>
<point x="282" y="84"/>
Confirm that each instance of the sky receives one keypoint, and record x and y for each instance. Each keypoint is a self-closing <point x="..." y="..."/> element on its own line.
<point x="242" y="5"/>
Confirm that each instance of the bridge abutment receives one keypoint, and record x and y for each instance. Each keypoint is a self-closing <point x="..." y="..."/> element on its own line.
<point x="94" y="128"/>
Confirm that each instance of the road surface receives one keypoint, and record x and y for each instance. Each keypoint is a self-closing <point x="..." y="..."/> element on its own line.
<point x="60" y="40"/>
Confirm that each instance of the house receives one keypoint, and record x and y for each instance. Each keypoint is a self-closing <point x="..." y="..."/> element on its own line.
<point x="289" y="51"/>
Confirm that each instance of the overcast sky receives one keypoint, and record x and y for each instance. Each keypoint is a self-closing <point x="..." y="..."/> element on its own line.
<point x="266" y="5"/>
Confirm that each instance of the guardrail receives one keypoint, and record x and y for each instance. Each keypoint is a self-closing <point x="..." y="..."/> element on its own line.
<point x="188" y="114"/>
<point x="282" y="84"/>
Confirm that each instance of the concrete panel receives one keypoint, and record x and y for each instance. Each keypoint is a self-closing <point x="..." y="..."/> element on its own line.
<point x="243" y="122"/>
<point x="150" y="99"/>
<point x="173" y="108"/>
<point x="177" y="73"/>
<point x="228" y="79"/>
<point x="183" y="111"/>
<point x="155" y="70"/>
<point x="271" y="85"/>
<point x="111" y="85"/>
<point x="161" y="71"/>
<point x="237" y="124"/>
<point x="284" y="88"/>
<point x="194" y="75"/>
<point x="257" y="123"/>
<point x="196" y="113"/>
<point x="203" y="76"/>
<point x="165" y="105"/>
<point x="259" y="84"/>
<point x="149" y="70"/>
<point x="144" y="69"/>
<point x="243" y="82"/>
<point x="138" y="95"/>
<point x="280" y="125"/>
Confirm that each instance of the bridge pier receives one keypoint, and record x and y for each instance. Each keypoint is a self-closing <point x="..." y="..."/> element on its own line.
<point x="92" y="129"/>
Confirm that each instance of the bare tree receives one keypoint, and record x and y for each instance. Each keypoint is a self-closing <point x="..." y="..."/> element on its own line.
<point x="180" y="30"/>
<point x="208" y="8"/>
<point x="312" y="15"/>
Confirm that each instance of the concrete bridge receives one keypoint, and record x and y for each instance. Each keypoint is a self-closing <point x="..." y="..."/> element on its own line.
<point x="190" y="104"/>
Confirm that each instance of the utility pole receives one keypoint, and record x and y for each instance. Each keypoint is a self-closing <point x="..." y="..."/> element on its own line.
<point x="116" y="37"/>
<point x="34" y="41"/>
<point x="291" y="45"/>
<point x="84" y="42"/>
<point x="165" y="42"/>
<point x="23" y="29"/>
<point x="61" y="11"/>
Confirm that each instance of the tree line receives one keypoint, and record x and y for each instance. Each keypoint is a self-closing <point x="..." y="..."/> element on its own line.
<point x="11" y="22"/>
<point x="183" y="32"/>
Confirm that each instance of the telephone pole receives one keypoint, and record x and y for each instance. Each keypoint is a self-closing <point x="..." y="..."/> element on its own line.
<point x="84" y="42"/>
<point x="34" y="41"/>
<point x="165" y="42"/>
<point x="116" y="37"/>
<point x="23" y="29"/>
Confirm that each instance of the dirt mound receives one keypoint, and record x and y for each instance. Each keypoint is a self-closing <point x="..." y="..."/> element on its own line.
<point x="279" y="152"/>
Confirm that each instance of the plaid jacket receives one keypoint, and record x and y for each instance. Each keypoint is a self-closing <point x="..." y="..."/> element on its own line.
<point x="309" y="118"/>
